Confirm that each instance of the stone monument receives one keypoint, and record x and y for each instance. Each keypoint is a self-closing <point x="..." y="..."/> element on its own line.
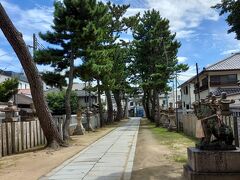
<point x="171" y="117"/>
<point x="11" y="112"/>
<point x="161" y="116"/>
<point x="79" y="130"/>
<point x="88" y="116"/>
<point x="215" y="156"/>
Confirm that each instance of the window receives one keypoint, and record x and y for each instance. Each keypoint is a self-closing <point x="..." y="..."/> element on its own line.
<point x="185" y="90"/>
<point x="205" y="81"/>
<point x="86" y="99"/>
<point x="179" y="97"/>
<point x="187" y="106"/>
<point x="223" y="79"/>
<point x="164" y="102"/>
<point x="131" y="103"/>
<point x="204" y="84"/>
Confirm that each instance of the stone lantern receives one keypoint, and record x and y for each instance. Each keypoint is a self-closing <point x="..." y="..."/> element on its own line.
<point x="10" y="112"/>
<point x="88" y="116"/>
<point x="79" y="130"/>
<point x="162" y="114"/>
<point x="224" y="105"/>
<point x="171" y="117"/>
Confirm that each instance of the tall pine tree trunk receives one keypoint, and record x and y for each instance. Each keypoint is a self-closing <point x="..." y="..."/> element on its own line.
<point x="157" y="121"/>
<point x="109" y="106"/>
<point x="146" y="104"/>
<point x="153" y="102"/>
<point x="151" y="106"/>
<point x="117" y="98"/>
<point x="125" y="112"/>
<point x="15" y="39"/>
<point x="66" y="125"/>
<point x="100" y="104"/>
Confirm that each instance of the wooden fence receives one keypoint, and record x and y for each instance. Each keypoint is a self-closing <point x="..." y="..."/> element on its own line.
<point x="20" y="136"/>
<point x="189" y="124"/>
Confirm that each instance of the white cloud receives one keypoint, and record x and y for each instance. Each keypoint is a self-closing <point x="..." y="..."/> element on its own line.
<point x="5" y="56"/>
<point x="8" y="61"/>
<point x="185" y="34"/>
<point x="134" y="11"/>
<point x="185" y="15"/>
<point x="182" y="59"/>
<point x="231" y="51"/>
<point x="29" y="21"/>
<point x="188" y="74"/>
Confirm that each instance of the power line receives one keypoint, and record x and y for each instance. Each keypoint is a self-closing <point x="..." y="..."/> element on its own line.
<point x="4" y="54"/>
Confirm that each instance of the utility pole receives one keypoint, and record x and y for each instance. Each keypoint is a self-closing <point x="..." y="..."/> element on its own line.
<point x="177" y="106"/>
<point x="89" y="105"/>
<point x="198" y="83"/>
<point x="174" y="102"/>
<point x="34" y="45"/>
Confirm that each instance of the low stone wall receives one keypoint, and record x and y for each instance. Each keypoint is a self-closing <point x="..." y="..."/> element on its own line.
<point x="94" y="120"/>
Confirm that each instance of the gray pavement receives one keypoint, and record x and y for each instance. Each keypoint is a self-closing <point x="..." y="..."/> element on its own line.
<point x="109" y="158"/>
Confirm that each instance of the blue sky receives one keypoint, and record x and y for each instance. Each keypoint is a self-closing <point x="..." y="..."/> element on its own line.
<point x="203" y="34"/>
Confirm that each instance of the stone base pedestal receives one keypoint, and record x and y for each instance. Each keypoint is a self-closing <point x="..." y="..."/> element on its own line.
<point x="161" y="120"/>
<point x="79" y="130"/>
<point x="166" y="123"/>
<point x="172" y="125"/>
<point x="212" y="165"/>
<point x="172" y="128"/>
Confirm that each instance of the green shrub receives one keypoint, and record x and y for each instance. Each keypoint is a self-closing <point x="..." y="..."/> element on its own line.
<point x="8" y="88"/>
<point x="56" y="102"/>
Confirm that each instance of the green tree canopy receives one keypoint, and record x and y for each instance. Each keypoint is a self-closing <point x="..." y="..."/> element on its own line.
<point x="74" y="28"/>
<point x="56" y="100"/>
<point x="232" y="9"/>
<point x="8" y="88"/>
<point x="154" y="59"/>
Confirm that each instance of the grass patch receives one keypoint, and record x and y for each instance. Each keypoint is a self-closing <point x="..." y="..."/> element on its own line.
<point x="176" y="142"/>
<point x="180" y="158"/>
<point x="173" y="139"/>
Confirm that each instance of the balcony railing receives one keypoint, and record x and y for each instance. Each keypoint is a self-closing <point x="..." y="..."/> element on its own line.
<point x="202" y="88"/>
<point x="217" y="83"/>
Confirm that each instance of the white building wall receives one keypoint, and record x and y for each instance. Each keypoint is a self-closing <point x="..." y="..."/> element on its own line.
<point x="23" y="85"/>
<point x="189" y="98"/>
<point x="170" y="97"/>
<point x="3" y="78"/>
<point x="192" y="94"/>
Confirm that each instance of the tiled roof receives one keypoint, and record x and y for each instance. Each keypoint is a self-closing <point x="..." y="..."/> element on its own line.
<point x="20" y="76"/>
<point x="83" y="93"/>
<point x="230" y="63"/>
<point x="229" y="91"/>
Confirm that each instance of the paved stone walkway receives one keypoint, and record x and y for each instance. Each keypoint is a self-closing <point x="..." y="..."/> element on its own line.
<point x="109" y="158"/>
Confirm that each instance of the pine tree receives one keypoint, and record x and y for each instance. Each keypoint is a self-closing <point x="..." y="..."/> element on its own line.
<point x="102" y="54"/>
<point x="8" y="89"/>
<point x="155" y="57"/>
<point x="16" y="41"/>
<point x="73" y="29"/>
<point x="232" y="9"/>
